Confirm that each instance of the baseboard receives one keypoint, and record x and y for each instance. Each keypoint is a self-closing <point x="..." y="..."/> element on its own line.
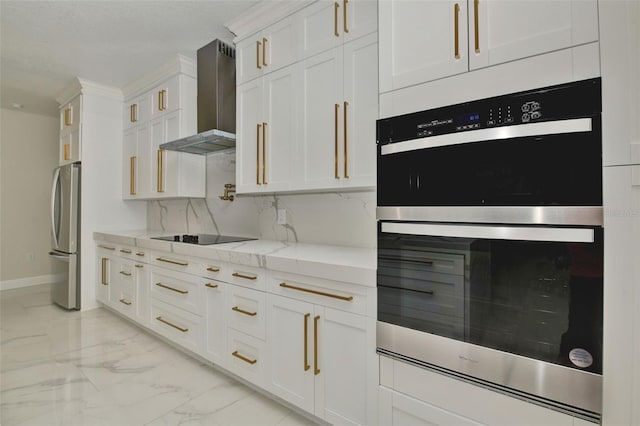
<point x="29" y="281"/>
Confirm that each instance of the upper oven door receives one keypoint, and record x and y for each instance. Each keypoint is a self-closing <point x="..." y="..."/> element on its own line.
<point x="555" y="163"/>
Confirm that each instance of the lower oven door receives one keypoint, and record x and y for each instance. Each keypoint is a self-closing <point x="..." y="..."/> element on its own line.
<point x="517" y="307"/>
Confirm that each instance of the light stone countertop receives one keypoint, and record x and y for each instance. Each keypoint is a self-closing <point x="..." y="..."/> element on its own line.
<point x="347" y="264"/>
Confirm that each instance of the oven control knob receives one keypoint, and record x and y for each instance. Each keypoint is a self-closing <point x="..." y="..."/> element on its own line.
<point x="176" y="238"/>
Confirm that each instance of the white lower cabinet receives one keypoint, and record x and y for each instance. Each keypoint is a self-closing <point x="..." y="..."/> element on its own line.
<point x="321" y="360"/>
<point x="215" y="322"/>
<point x="177" y="325"/>
<point x="246" y="357"/>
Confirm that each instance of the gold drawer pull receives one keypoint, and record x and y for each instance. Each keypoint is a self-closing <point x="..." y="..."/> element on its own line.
<point x="212" y="269"/>
<point x="139" y="265"/>
<point x="476" y="26"/>
<point x="456" y="31"/>
<point x="127" y="274"/>
<point x="247" y="360"/>
<point x="211" y="285"/>
<point x="320" y="293"/>
<point x="125" y="301"/>
<point x="162" y="320"/>
<point x="172" y="289"/>
<point x="106" y="247"/>
<point x="246" y="277"/>
<point x="140" y="254"/>
<point x="125" y="251"/>
<point x="174" y="262"/>
<point x="242" y="311"/>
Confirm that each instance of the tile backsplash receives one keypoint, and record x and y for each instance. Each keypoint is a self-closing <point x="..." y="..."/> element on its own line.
<point x="337" y="218"/>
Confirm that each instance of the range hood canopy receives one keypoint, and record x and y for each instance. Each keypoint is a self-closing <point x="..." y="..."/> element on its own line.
<point x="216" y="102"/>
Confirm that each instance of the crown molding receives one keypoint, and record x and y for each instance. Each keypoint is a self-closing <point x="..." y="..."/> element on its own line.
<point x="86" y="87"/>
<point x="178" y="65"/>
<point x="262" y="15"/>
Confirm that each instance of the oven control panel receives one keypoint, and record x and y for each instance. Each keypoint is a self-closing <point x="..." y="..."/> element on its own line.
<point x="565" y="101"/>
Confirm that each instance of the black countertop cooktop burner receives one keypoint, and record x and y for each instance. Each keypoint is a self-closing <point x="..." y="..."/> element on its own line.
<point x="203" y="239"/>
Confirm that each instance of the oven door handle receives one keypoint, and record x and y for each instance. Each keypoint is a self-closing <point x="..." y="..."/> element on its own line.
<point x="525" y="233"/>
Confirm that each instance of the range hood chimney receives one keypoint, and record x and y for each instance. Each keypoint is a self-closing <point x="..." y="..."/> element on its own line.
<point x="216" y="102"/>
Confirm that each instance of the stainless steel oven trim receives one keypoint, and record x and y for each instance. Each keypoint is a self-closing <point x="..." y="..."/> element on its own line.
<point x="524" y="215"/>
<point x="507" y="132"/>
<point x="574" y="388"/>
<point x="565" y="235"/>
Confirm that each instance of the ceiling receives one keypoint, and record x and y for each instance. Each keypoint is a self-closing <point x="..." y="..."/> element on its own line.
<point x="44" y="45"/>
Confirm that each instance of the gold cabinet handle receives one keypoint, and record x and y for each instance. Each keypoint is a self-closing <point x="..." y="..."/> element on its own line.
<point x="476" y="6"/>
<point x="174" y="262"/>
<point x="104" y="271"/>
<point x="140" y="254"/>
<point x="164" y="99"/>
<point x="132" y="175"/>
<point x="346" y="155"/>
<point x="125" y="301"/>
<point x="258" y="154"/>
<point x="126" y="251"/>
<point x="247" y="360"/>
<point x="306" y="357"/>
<point x="162" y="320"/>
<point x="67" y="151"/>
<point x="335" y="19"/>
<point x="160" y="173"/>
<point x="211" y="285"/>
<point x="335" y="139"/>
<point x="264" y="51"/>
<point x="106" y="247"/>
<point x="264" y="153"/>
<point x="242" y="311"/>
<point x="258" y="55"/>
<point x="246" y="277"/>
<point x="177" y="290"/>
<point x="160" y="100"/>
<point x="126" y="274"/>
<point x="344" y="15"/>
<point x="319" y="293"/>
<point x="67" y="117"/>
<point x="131" y="120"/>
<point x="212" y="269"/>
<point x="139" y="265"/>
<point x="316" y="370"/>
<point x="456" y="32"/>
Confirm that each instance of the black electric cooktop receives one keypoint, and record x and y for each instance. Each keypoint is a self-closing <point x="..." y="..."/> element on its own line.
<point x="202" y="239"/>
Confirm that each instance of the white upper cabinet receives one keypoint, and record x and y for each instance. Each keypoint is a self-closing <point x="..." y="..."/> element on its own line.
<point x="425" y="41"/>
<point x="158" y="115"/>
<point x="70" y="131"/>
<point x="268" y="50"/>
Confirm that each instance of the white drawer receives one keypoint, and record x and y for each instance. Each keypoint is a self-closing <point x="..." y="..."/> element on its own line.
<point x="246" y="310"/>
<point x="181" y="327"/>
<point x="334" y="294"/>
<point x="246" y="357"/>
<point x="179" y="289"/>
<point x="127" y="302"/>
<point x="246" y="276"/>
<point x="175" y="262"/>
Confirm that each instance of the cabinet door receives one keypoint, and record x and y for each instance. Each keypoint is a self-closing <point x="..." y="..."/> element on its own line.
<point x="359" y="18"/>
<point x="360" y="112"/>
<point x="279" y="129"/>
<point x="249" y="134"/>
<point x="156" y="136"/>
<point x="502" y="31"/>
<point x="421" y="41"/>
<point x="397" y="409"/>
<point x="215" y="322"/>
<point x="291" y="333"/>
<point x="321" y="27"/>
<point x="249" y="59"/>
<point x="322" y="105"/>
<point x="347" y="379"/>
<point x="142" y="294"/>
<point x="103" y="276"/>
<point x="70" y="146"/>
<point x="165" y="97"/>
<point x="131" y="165"/>
<point x="165" y="168"/>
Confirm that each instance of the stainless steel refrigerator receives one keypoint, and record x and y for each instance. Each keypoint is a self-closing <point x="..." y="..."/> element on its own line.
<point x="65" y="241"/>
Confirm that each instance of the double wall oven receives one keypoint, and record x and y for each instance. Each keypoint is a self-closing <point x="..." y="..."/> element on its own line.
<point x="490" y="243"/>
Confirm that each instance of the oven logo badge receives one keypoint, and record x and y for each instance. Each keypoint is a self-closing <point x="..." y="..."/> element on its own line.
<point x="580" y="358"/>
<point x="471" y="360"/>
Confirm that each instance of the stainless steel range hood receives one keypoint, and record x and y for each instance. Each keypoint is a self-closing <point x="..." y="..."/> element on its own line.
<point x="216" y="102"/>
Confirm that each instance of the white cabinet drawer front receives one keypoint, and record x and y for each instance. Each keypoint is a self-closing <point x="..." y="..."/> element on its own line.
<point x="127" y="302"/>
<point x="334" y="294"/>
<point x="181" y="290"/>
<point x="176" y="263"/>
<point x="246" y="276"/>
<point x="246" y="357"/>
<point x="246" y="310"/>
<point x="181" y="327"/>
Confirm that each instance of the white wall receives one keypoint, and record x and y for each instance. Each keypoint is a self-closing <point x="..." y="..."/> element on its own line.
<point x="29" y="153"/>
<point x="345" y="219"/>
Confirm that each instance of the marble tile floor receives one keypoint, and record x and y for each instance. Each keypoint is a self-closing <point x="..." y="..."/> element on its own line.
<point x="95" y="368"/>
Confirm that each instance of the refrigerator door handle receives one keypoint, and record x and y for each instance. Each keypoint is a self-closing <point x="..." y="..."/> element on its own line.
<point x="62" y="257"/>
<point x="56" y="182"/>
